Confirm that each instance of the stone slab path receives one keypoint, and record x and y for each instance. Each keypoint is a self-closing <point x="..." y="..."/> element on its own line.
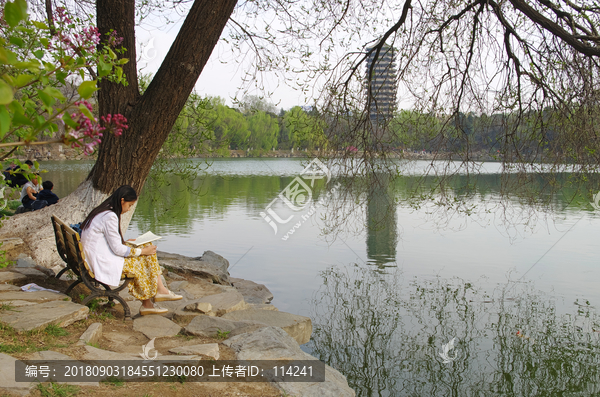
<point x="61" y="313"/>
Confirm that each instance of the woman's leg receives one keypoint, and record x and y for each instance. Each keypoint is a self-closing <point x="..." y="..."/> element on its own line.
<point x="161" y="289"/>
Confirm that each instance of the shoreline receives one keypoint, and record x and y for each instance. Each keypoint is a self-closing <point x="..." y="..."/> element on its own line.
<point x="232" y="318"/>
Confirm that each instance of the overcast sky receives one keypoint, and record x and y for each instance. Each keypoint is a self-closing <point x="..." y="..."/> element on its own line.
<point x="217" y="78"/>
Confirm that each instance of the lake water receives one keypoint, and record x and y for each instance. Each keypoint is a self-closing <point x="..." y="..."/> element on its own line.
<point x="516" y="289"/>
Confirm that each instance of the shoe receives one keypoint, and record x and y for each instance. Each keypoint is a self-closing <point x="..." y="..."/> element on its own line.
<point x="153" y="310"/>
<point x="167" y="297"/>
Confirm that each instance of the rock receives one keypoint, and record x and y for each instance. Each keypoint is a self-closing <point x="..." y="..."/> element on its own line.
<point x="61" y="313"/>
<point x="10" y="243"/>
<point x="36" y="296"/>
<point x="178" y="285"/>
<point x="25" y="262"/>
<point x="19" y="303"/>
<point x="202" y="288"/>
<point x="209" y="266"/>
<point x="207" y="349"/>
<point x="92" y="335"/>
<point x="9" y="287"/>
<point x="225" y="302"/>
<point x="212" y="326"/>
<point x="93" y="353"/>
<point x="29" y="271"/>
<point x="7" y="377"/>
<point x="266" y="306"/>
<point x="251" y="291"/>
<point x="10" y="277"/>
<point x="126" y="295"/>
<point x="272" y="343"/>
<point x="185" y="316"/>
<point x="155" y="326"/>
<point x="298" y="327"/>
<point x="174" y="276"/>
<point x="201" y="307"/>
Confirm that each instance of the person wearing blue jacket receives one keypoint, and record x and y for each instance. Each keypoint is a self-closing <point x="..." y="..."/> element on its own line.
<point x="46" y="193"/>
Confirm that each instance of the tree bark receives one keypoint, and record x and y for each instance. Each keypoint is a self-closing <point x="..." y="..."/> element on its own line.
<point x="126" y="160"/>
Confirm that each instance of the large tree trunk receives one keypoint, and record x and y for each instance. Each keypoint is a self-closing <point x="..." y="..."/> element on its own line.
<point x="126" y="160"/>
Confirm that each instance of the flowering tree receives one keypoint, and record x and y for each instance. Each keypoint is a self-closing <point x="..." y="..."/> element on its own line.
<point x="38" y="62"/>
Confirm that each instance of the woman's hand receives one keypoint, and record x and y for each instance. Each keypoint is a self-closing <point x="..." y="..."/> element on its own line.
<point x="149" y="250"/>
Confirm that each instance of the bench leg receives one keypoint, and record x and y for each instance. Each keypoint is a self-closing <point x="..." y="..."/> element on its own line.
<point x="126" y="310"/>
<point x="61" y="272"/>
<point x="70" y="288"/>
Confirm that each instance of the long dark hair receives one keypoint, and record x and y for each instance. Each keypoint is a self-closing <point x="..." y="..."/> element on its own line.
<point x="113" y="203"/>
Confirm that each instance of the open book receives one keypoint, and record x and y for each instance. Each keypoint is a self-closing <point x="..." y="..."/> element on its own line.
<point x="144" y="238"/>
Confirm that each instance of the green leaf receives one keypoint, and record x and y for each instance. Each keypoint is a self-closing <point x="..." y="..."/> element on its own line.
<point x="61" y="76"/>
<point x="86" y="112"/>
<point x="15" y="12"/>
<point x="112" y="54"/>
<point x="39" y="25"/>
<point x="55" y="93"/>
<point x="87" y="89"/>
<point x="6" y="93"/>
<point x="4" y="121"/>
<point x="123" y="61"/>
<point x="7" y="57"/>
<point x="39" y="54"/>
<point x="69" y="121"/>
<point x="23" y="80"/>
<point x="16" y="107"/>
<point x="31" y="64"/>
<point x="20" y="119"/>
<point x="46" y="98"/>
<point x="102" y="71"/>
<point x="17" y="41"/>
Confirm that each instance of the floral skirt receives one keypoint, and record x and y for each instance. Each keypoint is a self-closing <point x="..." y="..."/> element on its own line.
<point x="145" y="271"/>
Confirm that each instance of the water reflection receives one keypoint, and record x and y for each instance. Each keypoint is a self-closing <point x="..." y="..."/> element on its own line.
<point x="381" y="219"/>
<point x="386" y="332"/>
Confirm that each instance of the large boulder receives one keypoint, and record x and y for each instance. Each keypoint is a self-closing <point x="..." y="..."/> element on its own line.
<point x="252" y="292"/>
<point x="210" y="265"/>
<point x="272" y="343"/>
<point x="214" y="327"/>
<point x="296" y="326"/>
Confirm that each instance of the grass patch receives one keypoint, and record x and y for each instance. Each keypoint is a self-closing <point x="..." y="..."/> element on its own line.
<point x="114" y="381"/>
<point x="57" y="390"/>
<point x="222" y="334"/>
<point x="13" y="341"/>
<point x="6" y="306"/>
<point x="103" y="316"/>
<point x="55" y="330"/>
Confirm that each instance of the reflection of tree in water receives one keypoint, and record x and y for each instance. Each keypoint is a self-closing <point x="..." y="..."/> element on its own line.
<point x="382" y="228"/>
<point x="385" y="334"/>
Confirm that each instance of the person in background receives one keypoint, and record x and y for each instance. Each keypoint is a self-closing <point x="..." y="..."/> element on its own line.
<point x="46" y="193"/>
<point x="14" y="176"/>
<point x="29" y="195"/>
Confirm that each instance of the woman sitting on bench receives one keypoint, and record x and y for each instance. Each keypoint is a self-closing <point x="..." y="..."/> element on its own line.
<point x="109" y="255"/>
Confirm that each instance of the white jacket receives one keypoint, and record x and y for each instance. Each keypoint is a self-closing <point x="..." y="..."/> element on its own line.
<point x="103" y="249"/>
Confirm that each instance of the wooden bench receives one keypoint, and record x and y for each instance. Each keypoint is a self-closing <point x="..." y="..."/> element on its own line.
<point x="70" y="250"/>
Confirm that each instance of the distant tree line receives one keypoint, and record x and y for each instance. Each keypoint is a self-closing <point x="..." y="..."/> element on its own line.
<point x="207" y="125"/>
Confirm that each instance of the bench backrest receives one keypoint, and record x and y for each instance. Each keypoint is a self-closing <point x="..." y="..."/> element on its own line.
<point x="73" y="248"/>
<point x="60" y="240"/>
